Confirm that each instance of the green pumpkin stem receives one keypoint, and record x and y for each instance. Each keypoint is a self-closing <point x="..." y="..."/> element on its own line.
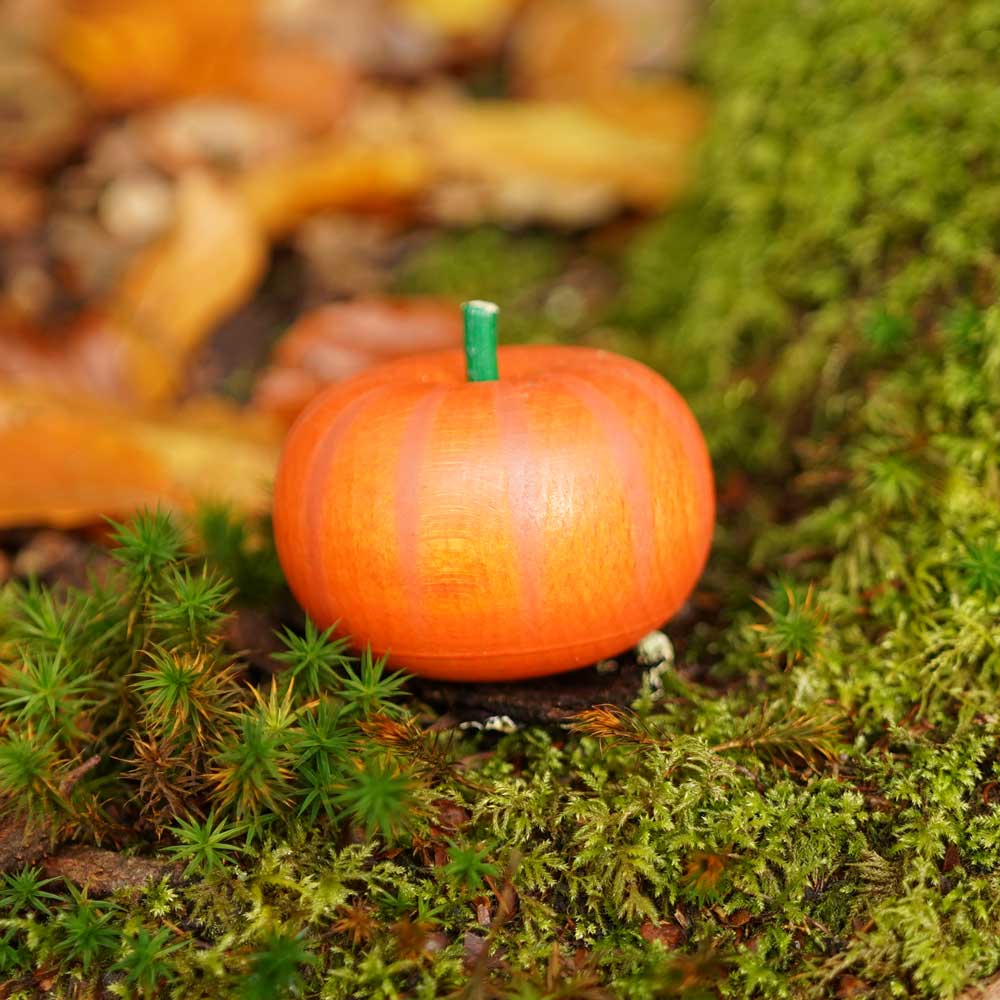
<point x="480" y="340"/>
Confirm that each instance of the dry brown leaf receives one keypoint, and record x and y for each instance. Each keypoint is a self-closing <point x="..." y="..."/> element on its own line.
<point x="336" y="341"/>
<point x="334" y="175"/>
<point x="130" y="52"/>
<point x="180" y="287"/>
<point x="102" y="872"/>
<point x="68" y="461"/>
<point x="663" y="108"/>
<point x="669" y="934"/>
<point x="133" y="52"/>
<point x="298" y="81"/>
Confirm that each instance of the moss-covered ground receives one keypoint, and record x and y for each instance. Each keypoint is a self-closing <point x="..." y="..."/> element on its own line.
<point x="807" y="807"/>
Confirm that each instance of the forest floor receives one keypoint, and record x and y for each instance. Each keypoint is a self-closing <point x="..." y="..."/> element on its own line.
<point x="792" y="792"/>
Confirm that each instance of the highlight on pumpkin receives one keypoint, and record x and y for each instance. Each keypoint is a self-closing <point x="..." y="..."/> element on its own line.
<point x="480" y="319"/>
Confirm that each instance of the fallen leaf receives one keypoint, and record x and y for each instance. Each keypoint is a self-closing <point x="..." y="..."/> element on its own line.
<point x="22" y="842"/>
<point x="68" y="461"/>
<point x="336" y="341"/>
<point x="738" y="919"/>
<point x="178" y="288"/>
<point x="348" y="255"/>
<point x="334" y="175"/>
<point x="661" y="33"/>
<point x="413" y="937"/>
<point x="852" y="986"/>
<point x="473" y="949"/>
<point x="668" y="933"/>
<point x="61" y="559"/>
<point x="181" y="286"/>
<point x="46" y="552"/>
<point x="565" y="161"/>
<point x="252" y="634"/>
<point x="462" y="161"/>
<point x="450" y="815"/>
<point x="952" y="858"/>
<point x="297" y="80"/>
<point x="666" y="108"/>
<point x="133" y="52"/>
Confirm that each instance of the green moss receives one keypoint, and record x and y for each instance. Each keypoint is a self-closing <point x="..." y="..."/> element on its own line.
<point x="518" y="271"/>
<point x="849" y="184"/>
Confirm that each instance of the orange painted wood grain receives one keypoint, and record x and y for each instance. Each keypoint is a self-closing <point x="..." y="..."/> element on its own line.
<point x="496" y="530"/>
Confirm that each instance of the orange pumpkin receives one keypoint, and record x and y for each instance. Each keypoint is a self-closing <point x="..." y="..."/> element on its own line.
<point x="487" y="528"/>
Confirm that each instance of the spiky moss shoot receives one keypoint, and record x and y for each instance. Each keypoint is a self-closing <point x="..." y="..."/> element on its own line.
<point x="206" y="845"/>
<point x="186" y="695"/>
<point x="145" y="967"/>
<point x="124" y="720"/>
<point x="25" y="891"/>
<point x="795" y="628"/>
<point x="276" y="970"/>
<point x="468" y="866"/>
<point x="981" y="568"/>
<point x="86" y="932"/>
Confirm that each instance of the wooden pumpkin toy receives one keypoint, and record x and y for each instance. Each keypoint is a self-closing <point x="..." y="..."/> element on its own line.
<point x="498" y="515"/>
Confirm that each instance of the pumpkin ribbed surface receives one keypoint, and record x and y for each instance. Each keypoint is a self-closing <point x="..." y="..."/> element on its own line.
<point x="495" y="530"/>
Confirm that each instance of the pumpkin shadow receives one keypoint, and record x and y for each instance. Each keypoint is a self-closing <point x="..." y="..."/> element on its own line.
<point x="547" y="701"/>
